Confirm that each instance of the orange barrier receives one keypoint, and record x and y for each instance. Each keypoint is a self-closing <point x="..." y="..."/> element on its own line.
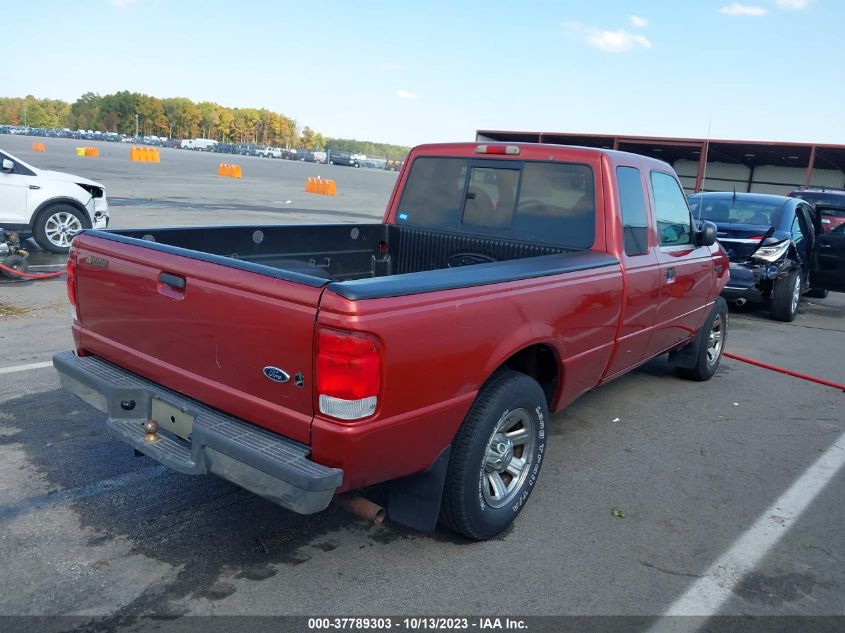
<point x="145" y="154"/>
<point x="92" y="151"/>
<point x="38" y="147"/>
<point x="229" y="170"/>
<point x="321" y="186"/>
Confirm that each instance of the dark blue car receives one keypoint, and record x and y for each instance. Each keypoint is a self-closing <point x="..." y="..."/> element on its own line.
<point x="776" y="248"/>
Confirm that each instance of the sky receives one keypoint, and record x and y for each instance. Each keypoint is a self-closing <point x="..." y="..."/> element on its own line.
<point x="419" y="71"/>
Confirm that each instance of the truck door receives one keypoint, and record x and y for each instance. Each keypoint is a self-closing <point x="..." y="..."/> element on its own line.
<point x="642" y="272"/>
<point x="829" y="264"/>
<point x="687" y="275"/>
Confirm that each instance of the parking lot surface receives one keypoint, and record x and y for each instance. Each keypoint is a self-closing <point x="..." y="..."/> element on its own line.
<point x="88" y="529"/>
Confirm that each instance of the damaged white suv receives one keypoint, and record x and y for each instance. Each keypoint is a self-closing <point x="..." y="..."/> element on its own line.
<point x="49" y="205"/>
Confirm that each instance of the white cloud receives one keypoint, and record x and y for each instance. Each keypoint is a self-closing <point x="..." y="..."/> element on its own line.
<point x="123" y="4"/>
<point x="404" y="94"/>
<point x="618" y="41"/>
<point x="793" y="4"/>
<point x="742" y="9"/>
<point x="637" y="22"/>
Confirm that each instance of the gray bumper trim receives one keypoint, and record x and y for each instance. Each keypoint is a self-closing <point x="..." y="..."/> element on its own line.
<point x="268" y="464"/>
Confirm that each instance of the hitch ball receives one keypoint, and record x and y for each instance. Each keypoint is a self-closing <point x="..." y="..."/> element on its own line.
<point x="151" y="431"/>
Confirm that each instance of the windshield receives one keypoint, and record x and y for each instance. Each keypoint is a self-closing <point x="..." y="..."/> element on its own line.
<point x="731" y="210"/>
<point x="552" y="203"/>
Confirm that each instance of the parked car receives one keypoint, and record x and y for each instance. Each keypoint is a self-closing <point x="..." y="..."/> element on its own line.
<point x="49" y="205"/>
<point x="270" y="152"/>
<point x="831" y="216"/>
<point x="828" y="202"/>
<point x="773" y="243"/>
<point x="503" y="283"/>
<point x="342" y="157"/>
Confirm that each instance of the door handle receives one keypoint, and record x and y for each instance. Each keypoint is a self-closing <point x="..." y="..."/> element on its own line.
<point x="670" y="274"/>
<point x="34" y="187"/>
<point x="174" y="281"/>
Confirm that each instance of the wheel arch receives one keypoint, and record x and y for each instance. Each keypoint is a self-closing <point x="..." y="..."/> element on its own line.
<point x="539" y="361"/>
<point x="54" y="201"/>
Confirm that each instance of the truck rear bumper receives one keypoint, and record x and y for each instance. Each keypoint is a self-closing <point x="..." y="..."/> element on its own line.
<point x="265" y="463"/>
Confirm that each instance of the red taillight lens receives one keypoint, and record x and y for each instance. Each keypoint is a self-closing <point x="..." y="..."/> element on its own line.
<point x="348" y="374"/>
<point x="71" y="282"/>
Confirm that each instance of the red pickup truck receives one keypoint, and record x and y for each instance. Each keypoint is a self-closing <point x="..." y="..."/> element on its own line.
<point x="426" y="351"/>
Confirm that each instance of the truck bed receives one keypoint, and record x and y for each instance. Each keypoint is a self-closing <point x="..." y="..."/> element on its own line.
<point x="361" y="261"/>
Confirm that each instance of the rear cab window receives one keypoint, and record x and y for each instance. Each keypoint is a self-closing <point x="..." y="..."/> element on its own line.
<point x="531" y="201"/>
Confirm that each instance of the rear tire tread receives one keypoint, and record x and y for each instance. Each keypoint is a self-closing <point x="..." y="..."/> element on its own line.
<point x="453" y="508"/>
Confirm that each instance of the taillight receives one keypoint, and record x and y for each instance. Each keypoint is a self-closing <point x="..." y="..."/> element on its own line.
<point x="348" y="374"/>
<point x="71" y="283"/>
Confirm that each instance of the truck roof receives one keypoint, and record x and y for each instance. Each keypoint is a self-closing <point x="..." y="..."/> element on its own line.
<point x="540" y="151"/>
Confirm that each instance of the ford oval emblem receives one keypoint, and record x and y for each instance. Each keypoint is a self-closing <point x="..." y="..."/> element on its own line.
<point x="468" y="259"/>
<point x="275" y="374"/>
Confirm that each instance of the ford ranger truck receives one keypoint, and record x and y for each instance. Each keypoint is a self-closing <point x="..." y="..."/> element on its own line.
<point x="426" y="351"/>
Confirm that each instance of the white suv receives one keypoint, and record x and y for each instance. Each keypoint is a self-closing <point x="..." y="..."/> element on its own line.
<point x="49" y="205"/>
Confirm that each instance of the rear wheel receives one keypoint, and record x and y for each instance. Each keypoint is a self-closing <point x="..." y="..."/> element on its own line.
<point x="496" y="457"/>
<point x="818" y="293"/>
<point x="785" y="297"/>
<point x="56" y="225"/>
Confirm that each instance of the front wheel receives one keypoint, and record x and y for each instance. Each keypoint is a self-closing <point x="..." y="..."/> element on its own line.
<point x="496" y="457"/>
<point x="710" y="345"/>
<point x="56" y="225"/>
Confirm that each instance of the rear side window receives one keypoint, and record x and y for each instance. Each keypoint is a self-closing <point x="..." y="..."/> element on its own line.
<point x="674" y="223"/>
<point x="552" y="203"/>
<point x="433" y="197"/>
<point x="634" y="218"/>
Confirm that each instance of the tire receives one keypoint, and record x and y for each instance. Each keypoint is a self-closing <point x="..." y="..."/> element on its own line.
<point x="710" y="341"/>
<point x="15" y="262"/>
<point x="509" y="403"/>
<point x="56" y="225"/>
<point x="818" y="293"/>
<point x="785" y="297"/>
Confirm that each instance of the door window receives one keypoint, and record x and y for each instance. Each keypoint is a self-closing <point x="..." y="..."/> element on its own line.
<point x="674" y="223"/>
<point x="797" y="233"/>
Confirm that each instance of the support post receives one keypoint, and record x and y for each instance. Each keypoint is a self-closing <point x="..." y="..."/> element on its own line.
<point x="808" y="177"/>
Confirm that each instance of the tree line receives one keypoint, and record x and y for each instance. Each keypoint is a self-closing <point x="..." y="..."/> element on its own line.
<point x="178" y="117"/>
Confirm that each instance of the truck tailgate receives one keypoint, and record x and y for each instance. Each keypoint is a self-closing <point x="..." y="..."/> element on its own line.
<point x="211" y="339"/>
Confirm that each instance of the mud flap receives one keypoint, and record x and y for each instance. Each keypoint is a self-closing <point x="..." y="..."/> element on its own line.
<point x="687" y="356"/>
<point x="415" y="501"/>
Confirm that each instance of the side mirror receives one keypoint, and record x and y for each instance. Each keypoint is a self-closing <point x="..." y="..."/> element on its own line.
<point x="706" y="234"/>
<point x="8" y="166"/>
